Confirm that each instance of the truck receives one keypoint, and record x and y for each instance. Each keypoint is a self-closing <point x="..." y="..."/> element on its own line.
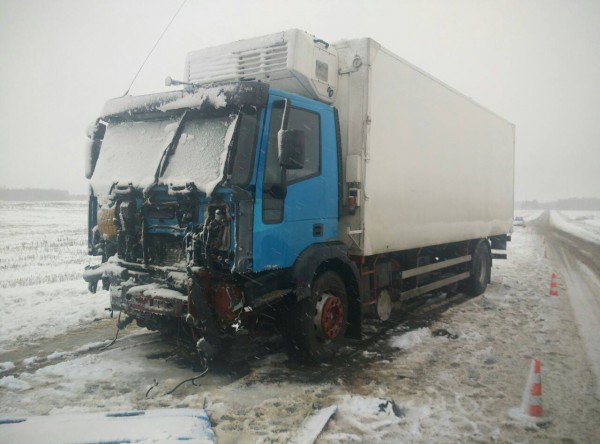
<point x="294" y="183"/>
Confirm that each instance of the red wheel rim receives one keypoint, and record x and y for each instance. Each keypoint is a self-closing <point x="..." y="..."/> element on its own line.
<point x="332" y="317"/>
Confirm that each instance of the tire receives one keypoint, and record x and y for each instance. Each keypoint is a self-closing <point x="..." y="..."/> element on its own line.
<point x="481" y="267"/>
<point x="317" y="325"/>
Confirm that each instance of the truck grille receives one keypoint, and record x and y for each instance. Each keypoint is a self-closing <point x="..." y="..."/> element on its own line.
<point x="164" y="249"/>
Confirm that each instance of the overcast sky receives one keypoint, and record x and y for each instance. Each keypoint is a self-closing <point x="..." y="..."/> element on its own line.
<point x="534" y="62"/>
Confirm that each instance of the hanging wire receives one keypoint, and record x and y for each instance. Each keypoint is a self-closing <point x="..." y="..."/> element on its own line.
<point x="116" y="335"/>
<point x="192" y="380"/>
<point x="154" y="47"/>
<point x="170" y="392"/>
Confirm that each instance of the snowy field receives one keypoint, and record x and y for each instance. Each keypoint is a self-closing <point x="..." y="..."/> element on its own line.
<point x="43" y="249"/>
<point x="450" y="376"/>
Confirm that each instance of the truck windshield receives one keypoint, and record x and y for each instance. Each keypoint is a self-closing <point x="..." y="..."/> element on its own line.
<point x="200" y="153"/>
<point x="131" y="152"/>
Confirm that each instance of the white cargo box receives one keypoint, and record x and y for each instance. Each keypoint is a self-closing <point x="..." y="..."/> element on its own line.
<point x="291" y="60"/>
<point x="431" y="166"/>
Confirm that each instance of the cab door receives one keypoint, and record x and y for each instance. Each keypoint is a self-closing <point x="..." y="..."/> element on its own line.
<point x="295" y="208"/>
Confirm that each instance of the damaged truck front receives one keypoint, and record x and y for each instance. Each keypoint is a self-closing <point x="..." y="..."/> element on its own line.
<point x="295" y="184"/>
<point x="169" y="210"/>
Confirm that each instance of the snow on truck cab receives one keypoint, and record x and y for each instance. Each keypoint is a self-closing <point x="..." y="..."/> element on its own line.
<point x="295" y="182"/>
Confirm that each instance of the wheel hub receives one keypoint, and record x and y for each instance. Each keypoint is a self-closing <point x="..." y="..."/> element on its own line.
<point x="329" y="317"/>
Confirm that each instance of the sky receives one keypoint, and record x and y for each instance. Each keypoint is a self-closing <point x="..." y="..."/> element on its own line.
<point x="534" y="62"/>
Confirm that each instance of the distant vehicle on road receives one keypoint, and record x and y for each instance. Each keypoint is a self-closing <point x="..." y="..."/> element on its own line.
<point x="519" y="222"/>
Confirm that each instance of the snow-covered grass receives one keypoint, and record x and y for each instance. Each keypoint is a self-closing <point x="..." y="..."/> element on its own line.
<point x="43" y="251"/>
<point x="42" y="242"/>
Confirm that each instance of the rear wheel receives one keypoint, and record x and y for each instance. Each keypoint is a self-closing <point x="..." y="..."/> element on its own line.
<point x="317" y="325"/>
<point x="481" y="265"/>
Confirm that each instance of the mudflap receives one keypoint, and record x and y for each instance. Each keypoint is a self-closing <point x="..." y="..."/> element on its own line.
<point x="170" y="425"/>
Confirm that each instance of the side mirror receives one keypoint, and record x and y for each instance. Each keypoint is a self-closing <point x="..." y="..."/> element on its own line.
<point x="291" y="144"/>
<point x="95" y="134"/>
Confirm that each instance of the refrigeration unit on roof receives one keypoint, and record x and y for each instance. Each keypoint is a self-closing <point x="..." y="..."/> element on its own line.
<point x="292" y="60"/>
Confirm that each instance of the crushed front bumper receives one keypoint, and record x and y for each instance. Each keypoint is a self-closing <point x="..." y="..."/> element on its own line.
<point x="148" y="299"/>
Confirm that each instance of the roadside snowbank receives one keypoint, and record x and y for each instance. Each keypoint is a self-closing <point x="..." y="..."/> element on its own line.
<point x="582" y="224"/>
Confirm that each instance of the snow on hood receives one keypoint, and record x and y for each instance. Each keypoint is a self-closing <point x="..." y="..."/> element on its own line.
<point x="215" y="96"/>
<point x="129" y="104"/>
<point x="168" y="101"/>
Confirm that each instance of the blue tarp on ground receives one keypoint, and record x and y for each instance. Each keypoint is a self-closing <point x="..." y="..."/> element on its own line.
<point x="138" y="426"/>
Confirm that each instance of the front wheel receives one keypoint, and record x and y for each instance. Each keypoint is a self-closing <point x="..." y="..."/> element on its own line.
<point x="481" y="265"/>
<point x="318" y="323"/>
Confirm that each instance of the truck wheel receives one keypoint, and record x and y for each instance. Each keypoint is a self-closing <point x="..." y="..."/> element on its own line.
<point x="318" y="323"/>
<point x="481" y="265"/>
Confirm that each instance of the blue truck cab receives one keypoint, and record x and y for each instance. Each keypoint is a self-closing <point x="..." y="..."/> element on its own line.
<point x="178" y="254"/>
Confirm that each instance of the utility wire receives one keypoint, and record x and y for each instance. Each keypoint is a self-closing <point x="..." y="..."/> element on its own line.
<point x="154" y="47"/>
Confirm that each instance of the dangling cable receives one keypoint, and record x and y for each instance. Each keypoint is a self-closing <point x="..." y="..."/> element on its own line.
<point x="154" y="47"/>
<point x="120" y="326"/>
<point x="116" y="335"/>
<point x="192" y="380"/>
<point x="170" y="392"/>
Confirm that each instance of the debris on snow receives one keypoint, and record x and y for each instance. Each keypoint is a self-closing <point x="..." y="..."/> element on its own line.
<point x="367" y="418"/>
<point x="313" y="425"/>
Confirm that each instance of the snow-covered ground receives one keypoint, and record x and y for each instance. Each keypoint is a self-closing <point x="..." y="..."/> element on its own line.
<point x="583" y="224"/>
<point x="451" y="377"/>
<point x="43" y="249"/>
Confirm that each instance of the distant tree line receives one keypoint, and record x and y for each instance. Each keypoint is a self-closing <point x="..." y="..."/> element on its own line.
<point x="573" y="203"/>
<point x="37" y="194"/>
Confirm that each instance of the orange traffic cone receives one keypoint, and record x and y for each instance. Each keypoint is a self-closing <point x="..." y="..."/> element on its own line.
<point x="553" y="286"/>
<point x="531" y="404"/>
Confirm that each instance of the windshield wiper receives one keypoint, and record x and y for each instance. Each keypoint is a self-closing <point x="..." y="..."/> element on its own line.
<point x="164" y="159"/>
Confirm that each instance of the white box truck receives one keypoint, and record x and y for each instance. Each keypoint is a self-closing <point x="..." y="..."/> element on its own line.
<point x="294" y="181"/>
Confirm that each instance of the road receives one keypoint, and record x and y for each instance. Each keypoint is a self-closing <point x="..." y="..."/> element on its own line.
<point x="578" y="261"/>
